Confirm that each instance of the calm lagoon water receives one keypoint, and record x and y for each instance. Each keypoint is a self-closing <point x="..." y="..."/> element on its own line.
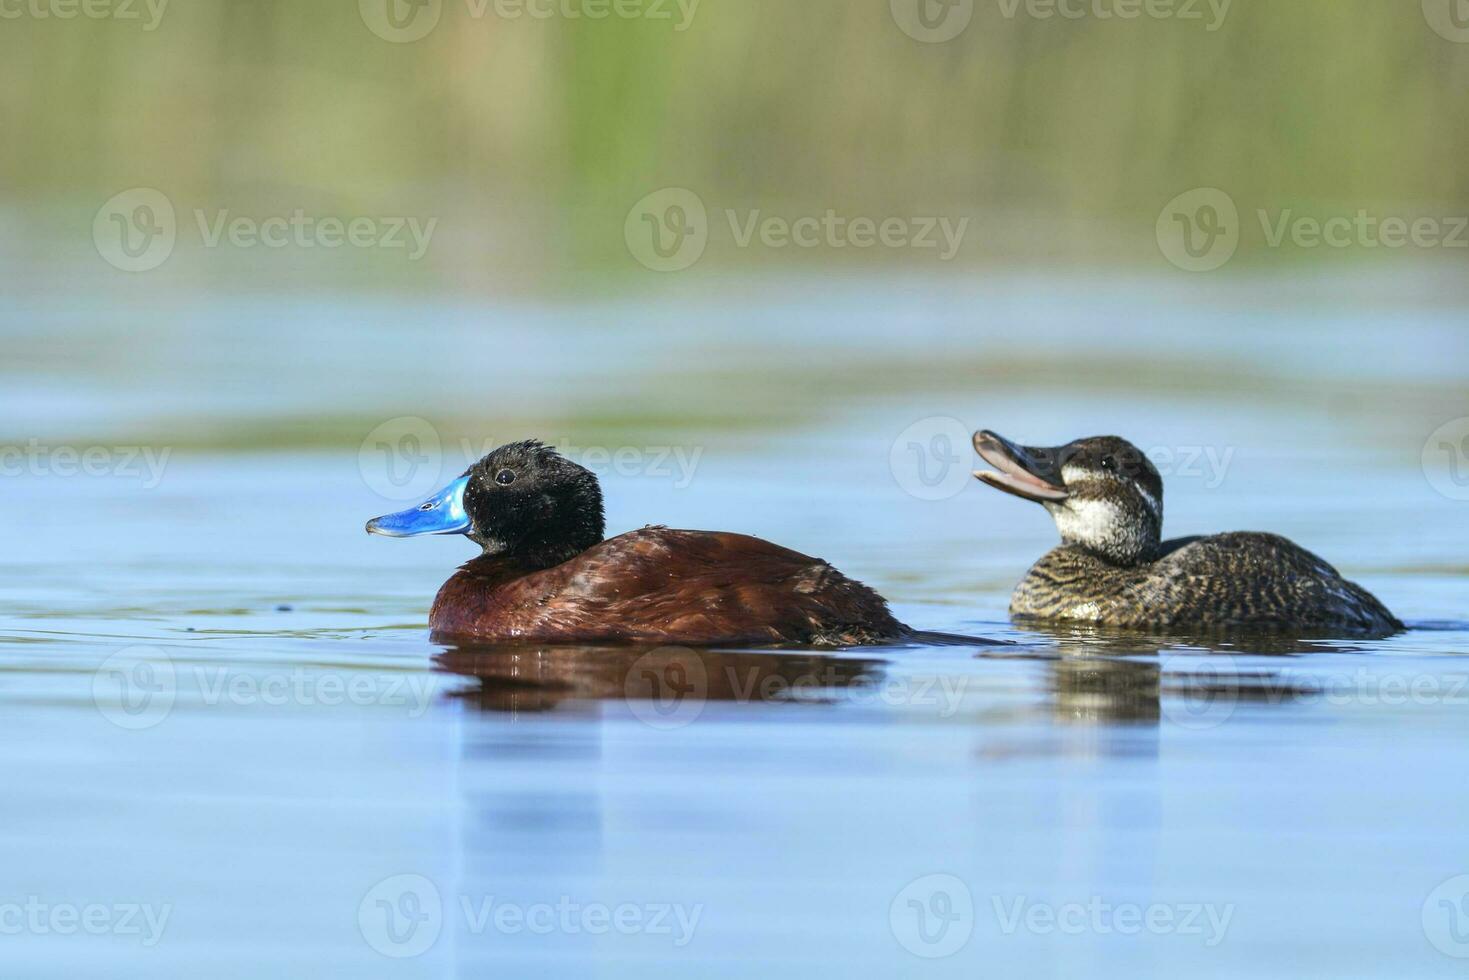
<point x="232" y="734"/>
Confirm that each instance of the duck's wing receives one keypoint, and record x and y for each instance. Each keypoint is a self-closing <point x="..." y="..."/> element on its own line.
<point x="1252" y="577"/>
<point x="700" y="587"/>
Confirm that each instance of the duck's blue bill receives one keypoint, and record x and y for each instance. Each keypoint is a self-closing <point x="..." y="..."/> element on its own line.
<point x="443" y="513"/>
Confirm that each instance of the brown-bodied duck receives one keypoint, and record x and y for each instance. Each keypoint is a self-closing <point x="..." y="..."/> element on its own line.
<point x="545" y="573"/>
<point x="1113" y="568"/>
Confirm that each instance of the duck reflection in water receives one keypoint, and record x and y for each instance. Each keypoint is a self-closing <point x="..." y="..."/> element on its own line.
<point x="1096" y="676"/>
<point x="1102" y="675"/>
<point x="535" y="678"/>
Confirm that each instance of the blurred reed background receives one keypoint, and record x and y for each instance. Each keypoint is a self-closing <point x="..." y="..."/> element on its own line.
<point x="529" y="139"/>
<point x="523" y="144"/>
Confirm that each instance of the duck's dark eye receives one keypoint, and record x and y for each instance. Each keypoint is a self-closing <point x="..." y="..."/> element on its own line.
<point x="505" y="477"/>
<point x="425" y="506"/>
<point x="1109" y="464"/>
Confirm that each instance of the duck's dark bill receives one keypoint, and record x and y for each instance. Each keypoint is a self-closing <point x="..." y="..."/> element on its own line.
<point x="1032" y="474"/>
<point x="443" y="513"/>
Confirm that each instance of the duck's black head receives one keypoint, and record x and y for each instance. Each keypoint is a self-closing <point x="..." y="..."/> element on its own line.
<point x="1104" y="494"/>
<point x="524" y="500"/>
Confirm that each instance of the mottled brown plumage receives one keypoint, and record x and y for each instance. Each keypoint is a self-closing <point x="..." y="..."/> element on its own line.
<point x="1113" y="569"/>
<point x="1226" y="580"/>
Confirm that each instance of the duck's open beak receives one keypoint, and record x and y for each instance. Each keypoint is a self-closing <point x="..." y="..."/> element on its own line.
<point x="443" y="513"/>
<point x="1029" y="473"/>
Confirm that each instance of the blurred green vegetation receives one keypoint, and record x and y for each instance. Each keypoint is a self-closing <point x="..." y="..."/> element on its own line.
<point x="530" y="139"/>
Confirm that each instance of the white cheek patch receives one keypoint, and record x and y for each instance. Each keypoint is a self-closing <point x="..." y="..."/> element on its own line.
<point x="1153" y="503"/>
<point x="1073" y="475"/>
<point x="1088" y="520"/>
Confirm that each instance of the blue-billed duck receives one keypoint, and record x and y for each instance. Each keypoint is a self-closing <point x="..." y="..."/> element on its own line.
<point x="1113" y="568"/>
<point x="545" y="573"/>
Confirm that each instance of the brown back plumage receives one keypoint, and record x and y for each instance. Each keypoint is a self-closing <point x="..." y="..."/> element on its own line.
<point x="665" y="586"/>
